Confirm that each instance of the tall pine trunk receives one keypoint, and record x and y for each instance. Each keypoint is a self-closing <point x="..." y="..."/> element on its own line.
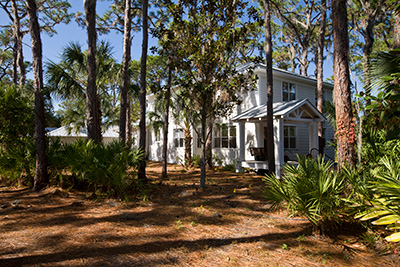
<point x="18" y="51"/>
<point x="270" y="112"/>
<point x="142" y="97"/>
<point x="345" y="123"/>
<point x="320" y="74"/>
<point x="92" y="103"/>
<point x="40" y="178"/>
<point x="164" y="173"/>
<point x="125" y="71"/>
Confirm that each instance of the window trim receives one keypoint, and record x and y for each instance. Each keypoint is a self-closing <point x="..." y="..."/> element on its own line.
<point x="295" y="137"/>
<point x="179" y="139"/>
<point x="289" y="85"/>
<point x="230" y="139"/>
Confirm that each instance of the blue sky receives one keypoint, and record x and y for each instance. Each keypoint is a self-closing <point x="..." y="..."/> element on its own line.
<point x="52" y="46"/>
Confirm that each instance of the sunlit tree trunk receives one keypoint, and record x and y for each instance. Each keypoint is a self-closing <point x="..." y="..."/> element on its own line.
<point x="345" y="133"/>
<point x="142" y="97"/>
<point x="40" y="178"/>
<point x="92" y="108"/>
<point x="268" y="63"/>
<point x="320" y="74"/>
<point x="125" y="71"/>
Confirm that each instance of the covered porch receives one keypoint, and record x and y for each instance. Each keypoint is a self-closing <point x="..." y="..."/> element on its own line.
<point x="296" y="112"/>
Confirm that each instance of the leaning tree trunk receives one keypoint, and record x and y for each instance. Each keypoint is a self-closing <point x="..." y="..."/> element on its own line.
<point x="320" y="75"/>
<point x="142" y="97"/>
<point x="41" y="168"/>
<point x="270" y="112"/>
<point x="345" y="130"/>
<point x="125" y="71"/>
<point x="92" y="120"/>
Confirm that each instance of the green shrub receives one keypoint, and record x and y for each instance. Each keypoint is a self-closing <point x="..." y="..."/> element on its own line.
<point x="312" y="189"/>
<point x="196" y="160"/>
<point x="108" y="168"/>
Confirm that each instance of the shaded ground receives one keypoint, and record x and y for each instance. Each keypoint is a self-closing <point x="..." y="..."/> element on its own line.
<point x="227" y="224"/>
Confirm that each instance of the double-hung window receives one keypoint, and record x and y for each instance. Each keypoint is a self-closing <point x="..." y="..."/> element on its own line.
<point x="178" y="138"/>
<point x="288" y="91"/>
<point x="225" y="136"/>
<point x="289" y="136"/>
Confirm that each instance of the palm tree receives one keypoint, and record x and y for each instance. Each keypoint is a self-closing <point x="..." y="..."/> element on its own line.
<point x="68" y="80"/>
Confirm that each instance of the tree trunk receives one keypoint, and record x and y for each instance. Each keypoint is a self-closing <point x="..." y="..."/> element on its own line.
<point x="18" y="51"/>
<point x="125" y="71"/>
<point x="304" y="61"/>
<point x="164" y="173"/>
<point x="209" y="155"/>
<point x="37" y="66"/>
<point x="270" y="112"/>
<point x="345" y="133"/>
<point x="92" y="109"/>
<point x="142" y="98"/>
<point x="396" y="28"/>
<point x="128" y="126"/>
<point x="368" y="35"/>
<point x="188" y="145"/>
<point x="320" y="74"/>
<point x="203" y="145"/>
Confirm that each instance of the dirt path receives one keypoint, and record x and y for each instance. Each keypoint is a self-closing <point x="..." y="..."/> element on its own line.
<point x="227" y="224"/>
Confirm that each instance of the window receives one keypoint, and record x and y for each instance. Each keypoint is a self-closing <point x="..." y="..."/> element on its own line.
<point x="225" y="136"/>
<point x="157" y="135"/>
<point x="198" y="138"/>
<point x="178" y="138"/>
<point x="289" y="136"/>
<point x="288" y="91"/>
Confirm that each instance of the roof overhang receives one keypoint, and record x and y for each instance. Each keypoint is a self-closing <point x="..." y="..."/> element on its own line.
<point x="295" y="111"/>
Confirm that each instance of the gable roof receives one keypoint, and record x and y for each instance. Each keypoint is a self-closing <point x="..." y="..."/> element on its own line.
<point x="111" y="132"/>
<point x="279" y="72"/>
<point x="295" y="110"/>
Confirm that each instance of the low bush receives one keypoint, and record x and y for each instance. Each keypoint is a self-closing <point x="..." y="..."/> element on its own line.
<point x="312" y="189"/>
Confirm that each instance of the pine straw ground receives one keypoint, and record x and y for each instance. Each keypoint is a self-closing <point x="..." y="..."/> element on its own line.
<point x="227" y="224"/>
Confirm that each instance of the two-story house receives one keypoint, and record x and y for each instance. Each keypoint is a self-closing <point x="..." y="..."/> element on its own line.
<point x="240" y="137"/>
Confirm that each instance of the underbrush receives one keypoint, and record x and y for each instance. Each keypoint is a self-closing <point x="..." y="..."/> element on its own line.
<point x="330" y="198"/>
<point x="101" y="168"/>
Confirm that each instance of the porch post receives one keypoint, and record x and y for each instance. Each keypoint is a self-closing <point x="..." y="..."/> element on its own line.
<point x="240" y="140"/>
<point x="278" y="146"/>
<point x="313" y="138"/>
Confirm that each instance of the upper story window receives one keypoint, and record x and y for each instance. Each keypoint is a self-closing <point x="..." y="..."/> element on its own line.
<point x="178" y="138"/>
<point x="288" y="91"/>
<point x="225" y="136"/>
<point x="289" y="136"/>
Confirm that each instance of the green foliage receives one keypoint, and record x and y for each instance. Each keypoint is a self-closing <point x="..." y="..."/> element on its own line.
<point x="196" y="160"/>
<point x="312" y="189"/>
<point x="18" y="161"/>
<point x="109" y="168"/>
<point x="16" y="116"/>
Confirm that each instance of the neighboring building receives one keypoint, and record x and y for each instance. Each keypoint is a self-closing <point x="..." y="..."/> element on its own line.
<point x="240" y="138"/>
<point x="110" y="135"/>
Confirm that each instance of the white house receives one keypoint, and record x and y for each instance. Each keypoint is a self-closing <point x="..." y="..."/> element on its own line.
<point x="240" y="138"/>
